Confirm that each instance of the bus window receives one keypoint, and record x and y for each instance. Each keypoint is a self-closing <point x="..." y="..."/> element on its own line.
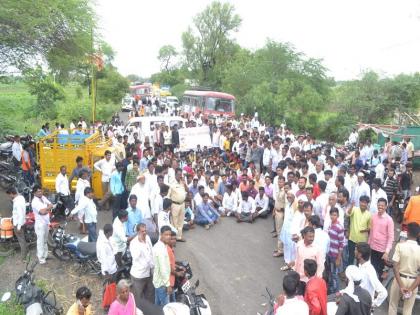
<point x="210" y="103"/>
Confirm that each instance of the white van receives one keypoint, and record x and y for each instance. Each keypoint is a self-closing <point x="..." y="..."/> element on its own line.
<point x="147" y="123"/>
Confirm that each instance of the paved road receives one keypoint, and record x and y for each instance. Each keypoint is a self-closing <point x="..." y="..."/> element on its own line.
<point x="234" y="264"/>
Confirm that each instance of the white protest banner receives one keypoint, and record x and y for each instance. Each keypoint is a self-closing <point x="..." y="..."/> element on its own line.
<point x="189" y="138"/>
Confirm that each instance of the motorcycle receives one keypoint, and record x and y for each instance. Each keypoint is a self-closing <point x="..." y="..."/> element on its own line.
<point x="69" y="247"/>
<point x="33" y="298"/>
<point x="270" y="302"/>
<point x="185" y="292"/>
<point x="62" y="207"/>
<point x="9" y="242"/>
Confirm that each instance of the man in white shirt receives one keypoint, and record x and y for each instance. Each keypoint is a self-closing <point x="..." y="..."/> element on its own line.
<point x="17" y="150"/>
<point x="246" y="209"/>
<point x="87" y="207"/>
<point x="370" y="281"/>
<point x="261" y="203"/>
<point x="62" y="188"/>
<point x="41" y="208"/>
<point x="105" y="253"/>
<point x="377" y="192"/>
<point x="18" y="217"/>
<point x="106" y="166"/>
<point x="361" y="189"/>
<point x="380" y="170"/>
<point x="163" y="216"/>
<point x="142" y="191"/>
<point x="141" y="250"/>
<point x="266" y="156"/>
<point x="119" y="237"/>
<point x="230" y="201"/>
<point x="292" y="305"/>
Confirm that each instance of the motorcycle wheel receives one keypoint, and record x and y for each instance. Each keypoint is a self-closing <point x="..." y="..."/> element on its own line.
<point x="50" y="240"/>
<point x="6" y="249"/>
<point x="61" y="254"/>
<point x="4" y="184"/>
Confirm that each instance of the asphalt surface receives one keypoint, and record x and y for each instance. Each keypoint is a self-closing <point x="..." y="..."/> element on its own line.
<point x="232" y="261"/>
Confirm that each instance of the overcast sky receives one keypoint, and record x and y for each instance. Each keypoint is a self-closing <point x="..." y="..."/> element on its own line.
<point x="350" y="36"/>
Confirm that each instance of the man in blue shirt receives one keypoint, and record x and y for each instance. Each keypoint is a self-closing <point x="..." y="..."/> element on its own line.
<point x="134" y="216"/>
<point x="206" y="214"/>
<point x="117" y="189"/>
<point x="144" y="160"/>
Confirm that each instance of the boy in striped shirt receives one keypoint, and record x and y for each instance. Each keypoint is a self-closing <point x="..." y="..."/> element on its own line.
<point x="336" y="234"/>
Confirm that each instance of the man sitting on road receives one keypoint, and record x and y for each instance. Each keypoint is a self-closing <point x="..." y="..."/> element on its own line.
<point x="246" y="210"/>
<point x="206" y="214"/>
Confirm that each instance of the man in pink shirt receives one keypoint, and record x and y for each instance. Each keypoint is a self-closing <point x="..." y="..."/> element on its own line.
<point x="381" y="237"/>
<point x="306" y="249"/>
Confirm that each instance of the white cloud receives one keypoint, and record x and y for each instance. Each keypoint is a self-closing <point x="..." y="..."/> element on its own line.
<point x="350" y="36"/>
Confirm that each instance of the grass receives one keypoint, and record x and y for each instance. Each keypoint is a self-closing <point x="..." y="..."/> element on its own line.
<point x="17" y="115"/>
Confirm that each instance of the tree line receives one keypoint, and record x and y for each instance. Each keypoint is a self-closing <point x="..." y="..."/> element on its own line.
<point x="279" y="82"/>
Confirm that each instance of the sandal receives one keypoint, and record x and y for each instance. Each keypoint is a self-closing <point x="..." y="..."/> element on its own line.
<point x="277" y="254"/>
<point x="285" y="268"/>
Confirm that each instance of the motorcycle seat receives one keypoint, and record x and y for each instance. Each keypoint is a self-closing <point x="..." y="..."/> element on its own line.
<point x="87" y="248"/>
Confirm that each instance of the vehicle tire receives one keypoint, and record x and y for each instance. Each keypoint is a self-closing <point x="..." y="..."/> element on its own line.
<point x="50" y="240"/>
<point x="61" y="254"/>
<point x="4" y="184"/>
<point x="6" y="249"/>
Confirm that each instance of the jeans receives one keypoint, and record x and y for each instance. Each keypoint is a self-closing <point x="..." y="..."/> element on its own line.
<point x="91" y="228"/>
<point x="333" y="281"/>
<point x="116" y="205"/>
<point x="161" y="296"/>
<point x="351" y="248"/>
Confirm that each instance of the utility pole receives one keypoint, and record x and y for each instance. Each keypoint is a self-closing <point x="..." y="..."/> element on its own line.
<point x="93" y="80"/>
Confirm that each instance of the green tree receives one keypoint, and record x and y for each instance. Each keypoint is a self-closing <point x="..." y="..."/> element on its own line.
<point x="111" y="86"/>
<point x="209" y="44"/>
<point x="166" y="55"/>
<point x="54" y="31"/>
<point x="47" y="92"/>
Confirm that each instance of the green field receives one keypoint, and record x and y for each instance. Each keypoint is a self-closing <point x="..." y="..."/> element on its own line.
<point x="17" y="114"/>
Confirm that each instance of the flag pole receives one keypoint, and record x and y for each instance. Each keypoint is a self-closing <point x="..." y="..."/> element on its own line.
<point x="93" y="82"/>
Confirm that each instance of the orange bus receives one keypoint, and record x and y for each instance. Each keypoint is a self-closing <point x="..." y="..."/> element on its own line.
<point x="209" y="103"/>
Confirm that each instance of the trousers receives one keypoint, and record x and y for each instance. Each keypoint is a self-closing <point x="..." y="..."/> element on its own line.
<point x="20" y="235"/>
<point x="178" y="214"/>
<point x="395" y="295"/>
<point x="161" y="296"/>
<point x="41" y="231"/>
<point x="143" y="289"/>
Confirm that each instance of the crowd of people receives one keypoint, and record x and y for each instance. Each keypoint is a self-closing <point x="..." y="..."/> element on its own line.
<point x="332" y="209"/>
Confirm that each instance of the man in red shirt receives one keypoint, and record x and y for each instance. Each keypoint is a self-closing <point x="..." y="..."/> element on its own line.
<point x="316" y="289"/>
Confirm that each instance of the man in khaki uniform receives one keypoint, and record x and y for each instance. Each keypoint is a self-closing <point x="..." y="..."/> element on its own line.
<point x="406" y="271"/>
<point x="177" y="193"/>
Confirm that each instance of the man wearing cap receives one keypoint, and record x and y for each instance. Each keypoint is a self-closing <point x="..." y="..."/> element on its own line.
<point x="177" y="193"/>
<point x="361" y="189"/>
<point x="354" y="299"/>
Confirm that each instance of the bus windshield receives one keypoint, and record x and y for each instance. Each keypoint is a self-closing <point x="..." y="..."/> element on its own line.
<point x="219" y="104"/>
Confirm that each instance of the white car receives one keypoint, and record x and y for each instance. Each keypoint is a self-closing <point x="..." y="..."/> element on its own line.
<point x="127" y="104"/>
<point x="172" y="101"/>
